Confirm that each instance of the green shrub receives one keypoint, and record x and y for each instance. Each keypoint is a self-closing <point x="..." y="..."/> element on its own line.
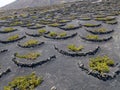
<point x="54" y="24"/>
<point x="29" y="56"/>
<point x="29" y="24"/>
<point x="90" y="25"/>
<point x="101" y="30"/>
<point x="9" y="29"/>
<point x="31" y="42"/>
<point x="23" y="15"/>
<point x="60" y="34"/>
<point x="7" y="88"/>
<point x="100" y="19"/>
<point x="73" y="48"/>
<point x="85" y="18"/>
<point x="63" y="21"/>
<point x="101" y="64"/>
<point x="108" y="18"/>
<point x="44" y="22"/>
<point x="41" y="31"/>
<point x="5" y="17"/>
<point x="111" y="22"/>
<point x="29" y="82"/>
<point x="99" y="16"/>
<point x="34" y="17"/>
<point x="37" y="25"/>
<point x="70" y="26"/>
<point x="95" y="37"/>
<point x="14" y="37"/>
<point x="63" y="34"/>
<point x="53" y="34"/>
<point x="16" y="23"/>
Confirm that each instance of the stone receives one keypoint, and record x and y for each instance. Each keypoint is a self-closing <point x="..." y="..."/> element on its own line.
<point x="53" y="88"/>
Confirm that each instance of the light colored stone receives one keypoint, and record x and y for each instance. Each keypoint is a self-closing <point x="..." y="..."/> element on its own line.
<point x="53" y="88"/>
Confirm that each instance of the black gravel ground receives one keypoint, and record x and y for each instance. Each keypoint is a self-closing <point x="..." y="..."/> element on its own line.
<point x="63" y="72"/>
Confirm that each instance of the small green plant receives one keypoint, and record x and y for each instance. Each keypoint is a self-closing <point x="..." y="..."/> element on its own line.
<point x="29" y="24"/>
<point x="63" y="34"/>
<point x="29" y="82"/>
<point x="108" y="18"/>
<point x="85" y="18"/>
<point x="95" y="37"/>
<point x="9" y="29"/>
<point x="101" y="30"/>
<point x="14" y="37"/>
<point x="44" y="22"/>
<point x="37" y="25"/>
<point x="28" y="56"/>
<point x="54" y="24"/>
<point x="70" y="26"/>
<point x="53" y="34"/>
<point x="73" y="48"/>
<point x="101" y="64"/>
<point x="16" y="23"/>
<point x="31" y="42"/>
<point x="33" y="17"/>
<point x="63" y="21"/>
<point x="99" y="16"/>
<point x="5" y="17"/>
<point x="60" y="34"/>
<point x="23" y="15"/>
<point x="90" y="25"/>
<point x="111" y="22"/>
<point x="41" y="31"/>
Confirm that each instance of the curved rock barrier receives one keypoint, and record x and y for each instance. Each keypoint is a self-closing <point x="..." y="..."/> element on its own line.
<point x="85" y="19"/>
<point x="5" y="42"/>
<point x="104" y="77"/>
<point x="4" y="50"/>
<point x="111" y="23"/>
<point x="45" y="22"/>
<point x="60" y="38"/>
<point x="27" y="25"/>
<point x="33" y="64"/>
<point x="94" y="25"/>
<point x="31" y="46"/>
<point x="5" y="72"/>
<point x="91" y="52"/>
<point x="3" y="32"/>
<point x="68" y="29"/>
<point x="64" y="21"/>
<point x="99" y="33"/>
<point x="98" y="40"/>
<point x="35" y="27"/>
<point x="36" y="35"/>
<point x="59" y="25"/>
